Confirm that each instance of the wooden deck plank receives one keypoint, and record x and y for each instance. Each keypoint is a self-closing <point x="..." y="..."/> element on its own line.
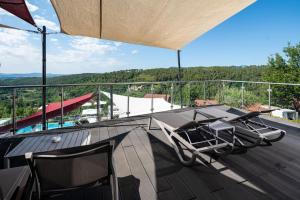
<point x="128" y="184"/>
<point x="148" y="160"/>
<point x="146" y="189"/>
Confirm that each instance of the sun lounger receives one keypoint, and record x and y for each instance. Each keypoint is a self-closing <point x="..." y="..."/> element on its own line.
<point x="249" y="127"/>
<point x="74" y="168"/>
<point x="190" y="138"/>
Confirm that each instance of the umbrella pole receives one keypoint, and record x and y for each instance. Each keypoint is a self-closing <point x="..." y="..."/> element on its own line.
<point x="44" y="74"/>
<point x="179" y="78"/>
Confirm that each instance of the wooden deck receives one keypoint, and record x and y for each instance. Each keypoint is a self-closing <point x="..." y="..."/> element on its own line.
<point x="147" y="167"/>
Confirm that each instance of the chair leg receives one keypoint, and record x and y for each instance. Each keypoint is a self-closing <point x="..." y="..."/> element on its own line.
<point x="182" y="157"/>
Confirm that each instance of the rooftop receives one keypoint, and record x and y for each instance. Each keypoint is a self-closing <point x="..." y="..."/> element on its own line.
<point x="147" y="166"/>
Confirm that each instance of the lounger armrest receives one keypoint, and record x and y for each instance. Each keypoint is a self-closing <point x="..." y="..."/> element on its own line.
<point x="193" y="124"/>
<point x="210" y="120"/>
<point x="246" y="116"/>
<point x="197" y="111"/>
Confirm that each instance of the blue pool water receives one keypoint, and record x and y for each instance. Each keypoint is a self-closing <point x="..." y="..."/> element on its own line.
<point x="38" y="127"/>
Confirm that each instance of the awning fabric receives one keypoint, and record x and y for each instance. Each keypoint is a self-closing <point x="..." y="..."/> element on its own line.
<point x="162" y="23"/>
<point x="17" y="8"/>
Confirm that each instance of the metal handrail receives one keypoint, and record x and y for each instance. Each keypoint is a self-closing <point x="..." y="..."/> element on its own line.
<point x="151" y="84"/>
<point x="141" y="83"/>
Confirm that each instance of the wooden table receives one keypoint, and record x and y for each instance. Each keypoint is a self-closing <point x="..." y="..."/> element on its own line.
<point x="13" y="182"/>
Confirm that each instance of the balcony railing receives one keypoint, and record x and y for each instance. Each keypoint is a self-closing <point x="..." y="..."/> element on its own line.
<point x="29" y="96"/>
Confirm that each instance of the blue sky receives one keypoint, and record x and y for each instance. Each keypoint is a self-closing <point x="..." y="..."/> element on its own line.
<point x="249" y="37"/>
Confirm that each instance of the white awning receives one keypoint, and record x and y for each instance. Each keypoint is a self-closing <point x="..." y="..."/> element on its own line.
<point x="163" y="23"/>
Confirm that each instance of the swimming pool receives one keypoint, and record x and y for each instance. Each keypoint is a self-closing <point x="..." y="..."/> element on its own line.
<point x="38" y="127"/>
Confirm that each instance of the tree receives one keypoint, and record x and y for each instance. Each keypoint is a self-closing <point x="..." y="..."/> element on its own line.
<point x="284" y="69"/>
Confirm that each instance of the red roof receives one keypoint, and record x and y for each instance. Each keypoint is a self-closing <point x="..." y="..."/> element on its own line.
<point x="52" y="110"/>
<point x="201" y="102"/>
<point x="17" y="8"/>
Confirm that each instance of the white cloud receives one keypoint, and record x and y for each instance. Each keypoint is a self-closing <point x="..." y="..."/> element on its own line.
<point x="54" y="40"/>
<point x="31" y="7"/>
<point x="41" y="21"/>
<point x="117" y="44"/>
<point x="83" y="55"/>
<point x="134" y="51"/>
<point x="17" y="53"/>
<point x="20" y="53"/>
<point x="4" y="12"/>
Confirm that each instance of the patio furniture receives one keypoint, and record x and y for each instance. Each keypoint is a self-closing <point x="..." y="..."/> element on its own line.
<point x="74" y="168"/>
<point x="194" y="136"/>
<point x="249" y="126"/>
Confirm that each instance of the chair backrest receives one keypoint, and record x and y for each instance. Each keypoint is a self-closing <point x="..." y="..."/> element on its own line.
<point x="73" y="167"/>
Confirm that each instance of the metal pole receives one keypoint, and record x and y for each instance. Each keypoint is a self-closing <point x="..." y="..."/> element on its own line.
<point x="152" y="89"/>
<point x="204" y="91"/>
<point x="269" y="95"/>
<point x="62" y="107"/>
<point x="243" y="95"/>
<point x="179" y="78"/>
<point x="172" y="96"/>
<point x="189" y="99"/>
<point x="128" y="90"/>
<point x="99" y="104"/>
<point x="44" y="78"/>
<point x="14" y="96"/>
<point x="111" y="102"/>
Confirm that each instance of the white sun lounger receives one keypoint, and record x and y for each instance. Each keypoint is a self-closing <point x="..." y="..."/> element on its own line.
<point x="248" y="126"/>
<point x="194" y="136"/>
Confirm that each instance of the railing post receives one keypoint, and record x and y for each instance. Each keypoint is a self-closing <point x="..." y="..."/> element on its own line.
<point x="14" y="121"/>
<point x="269" y="95"/>
<point x="204" y="90"/>
<point x="223" y="95"/>
<point x="128" y="100"/>
<point x="152" y="89"/>
<point x="62" y="107"/>
<point x="111" y="102"/>
<point x="172" y="96"/>
<point x="99" y="103"/>
<point x="189" y="95"/>
<point x="44" y="78"/>
<point x="242" y="94"/>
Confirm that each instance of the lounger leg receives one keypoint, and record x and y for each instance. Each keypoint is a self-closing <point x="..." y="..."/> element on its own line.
<point x="150" y="123"/>
<point x="195" y="114"/>
<point x="183" y="159"/>
<point x="282" y="134"/>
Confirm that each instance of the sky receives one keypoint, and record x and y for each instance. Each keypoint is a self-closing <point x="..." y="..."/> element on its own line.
<point x="249" y="37"/>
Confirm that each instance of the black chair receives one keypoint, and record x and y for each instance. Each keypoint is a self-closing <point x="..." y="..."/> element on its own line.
<point x="77" y="168"/>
